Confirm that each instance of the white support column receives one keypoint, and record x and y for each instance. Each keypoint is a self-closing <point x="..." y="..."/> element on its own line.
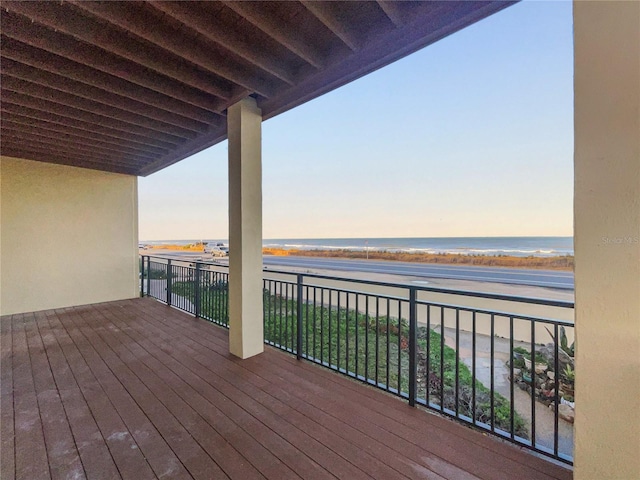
<point x="607" y="239"/>
<point x="244" y="123"/>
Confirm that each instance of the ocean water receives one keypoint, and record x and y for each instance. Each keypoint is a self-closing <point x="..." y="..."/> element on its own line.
<point x="514" y="246"/>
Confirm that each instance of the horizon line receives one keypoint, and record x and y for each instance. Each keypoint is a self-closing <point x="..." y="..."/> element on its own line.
<point x="358" y="238"/>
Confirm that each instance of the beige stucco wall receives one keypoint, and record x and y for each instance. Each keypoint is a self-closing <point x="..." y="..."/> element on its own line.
<point x="69" y="236"/>
<point x="607" y="239"/>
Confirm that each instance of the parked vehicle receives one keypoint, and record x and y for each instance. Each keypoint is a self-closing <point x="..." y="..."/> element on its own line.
<point x="219" y="250"/>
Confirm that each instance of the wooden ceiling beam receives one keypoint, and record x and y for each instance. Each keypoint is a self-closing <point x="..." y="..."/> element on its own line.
<point x="30" y="124"/>
<point x="272" y="27"/>
<point x="65" y="99"/>
<point x="48" y="62"/>
<point x="127" y="17"/>
<point x="87" y="117"/>
<point x="102" y="97"/>
<point x="104" y="90"/>
<point x="20" y="28"/>
<point x="66" y="19"/>
<point x="64" y="148"/>
<point x="89" y="127"/>
<point x="323" y="11"/>
<point x="75" y="157"/>
<point x="225" y="36"/>
<point x="393" y="11"/>
<point x="26" y="131"/>
<point x="40" y="156"/>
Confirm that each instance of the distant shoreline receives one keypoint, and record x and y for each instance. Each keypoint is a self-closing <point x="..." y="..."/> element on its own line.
<point x="488" y="246"/>
<point x="565" y="262"/>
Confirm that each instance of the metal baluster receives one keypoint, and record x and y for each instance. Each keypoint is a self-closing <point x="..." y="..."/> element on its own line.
<point x="511" y="382"/>
<point x="366" y="339"/>
<point x="149" y="276"/>
<point x="329" y="328"/>
<point x="357" y="348"/>
<point x="377" y="339"/>
<point x="492" y="360"/>
<point x="399" y="347"/>
<point x="142" y="276"/>
<point x="457" y="395"/>
<point x="442" y="358"/>
<point x="388" y="341"/>
<point x="280" y="317"/>
<point x="556" y="380"/>
<point x="169" y="280"/>
<point x="346" y="336"/>
<point x="322" y="310"/>
<point x="299" y="319"/>
<point x="428" y="359"/>
<point x="413" y="340"/>
<point x="196" y="293"/>
<point x="533" y="383"/>
<point x="338" y="322"/>
<point x="473" y="367"/>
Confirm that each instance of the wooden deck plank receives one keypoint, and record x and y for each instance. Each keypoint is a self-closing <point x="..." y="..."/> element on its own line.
<point x="31" y="452"/>
<point x="7" y="433"/>
<point x="412" y="466"/>
<point x="216" y="446"/>
<point x="416" y="420"/>
<point x="222" y="370"/>
<point x="92" y="449"/>
<point x="185" y="459"/>
<point x="192" y="376"/>
<point x="119" y="436"/>
<point x="414" y="417"/>
<point x="243" y="430"/>
<point x="123" y="450"/>
<point x="441" y="458"/>
<point x="64" y="461"/>
<point x="477" y="459"/>
<point x="217" y="365"/>
<point x="401" y="438"/>
<point x="139" y="374"/>
<point x="435" y="462"/>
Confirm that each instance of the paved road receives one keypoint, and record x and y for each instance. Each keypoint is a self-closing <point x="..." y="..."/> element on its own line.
<point x="540" y="278"/>
<point x="515" y="276"/>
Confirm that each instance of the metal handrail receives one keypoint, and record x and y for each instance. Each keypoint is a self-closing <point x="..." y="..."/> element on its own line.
<point x="408" y="346"/>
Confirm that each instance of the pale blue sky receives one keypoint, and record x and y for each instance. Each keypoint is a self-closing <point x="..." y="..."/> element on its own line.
<point x="471" y="136"/>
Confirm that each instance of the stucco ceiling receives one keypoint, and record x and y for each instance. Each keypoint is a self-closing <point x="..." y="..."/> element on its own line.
<point x="133" y="87"/>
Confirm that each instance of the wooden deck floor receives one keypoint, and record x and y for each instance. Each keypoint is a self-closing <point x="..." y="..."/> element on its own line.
<point x="136" y="389"/>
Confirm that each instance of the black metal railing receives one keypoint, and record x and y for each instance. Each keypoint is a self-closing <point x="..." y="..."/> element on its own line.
<point x="195" y="287"/>
<point x="501" y="363"/>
